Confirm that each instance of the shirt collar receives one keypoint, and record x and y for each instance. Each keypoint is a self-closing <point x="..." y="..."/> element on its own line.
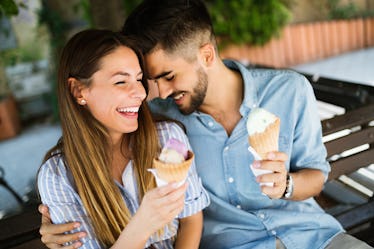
<point x="250" y="91"/>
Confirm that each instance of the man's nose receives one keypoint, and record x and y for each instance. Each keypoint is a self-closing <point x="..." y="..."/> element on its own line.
<point x="164" y="89"/>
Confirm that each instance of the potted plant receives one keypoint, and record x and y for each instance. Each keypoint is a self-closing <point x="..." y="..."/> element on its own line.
<point x="9" y="118"/>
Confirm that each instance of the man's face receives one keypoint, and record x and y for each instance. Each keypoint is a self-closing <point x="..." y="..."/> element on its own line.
<point x="185" y="82"/>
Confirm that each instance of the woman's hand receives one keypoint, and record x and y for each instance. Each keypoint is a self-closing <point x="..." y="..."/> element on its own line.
<point x="158" y="208"/>
<point x="161" y="205"/>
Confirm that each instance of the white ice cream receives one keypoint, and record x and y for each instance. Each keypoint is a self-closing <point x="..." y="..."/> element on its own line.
<point x="258" y="120"/>
<point x="168" y="155"/>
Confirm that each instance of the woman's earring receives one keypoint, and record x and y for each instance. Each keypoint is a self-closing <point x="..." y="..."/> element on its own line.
<point x="83" y="102"/>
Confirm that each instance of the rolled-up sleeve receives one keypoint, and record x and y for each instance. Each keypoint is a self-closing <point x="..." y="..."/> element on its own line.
<point x="63" y="201"/>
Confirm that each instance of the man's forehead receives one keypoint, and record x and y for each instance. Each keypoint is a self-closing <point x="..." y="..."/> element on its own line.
<point x="159" y="64"/>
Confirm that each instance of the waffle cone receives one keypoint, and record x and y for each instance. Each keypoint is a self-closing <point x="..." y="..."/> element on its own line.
<point x="171" y="172"/>
<point x="267" y="140"/>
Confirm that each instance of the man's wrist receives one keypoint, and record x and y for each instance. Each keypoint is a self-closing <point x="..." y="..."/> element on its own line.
<point x="288" y="192"/>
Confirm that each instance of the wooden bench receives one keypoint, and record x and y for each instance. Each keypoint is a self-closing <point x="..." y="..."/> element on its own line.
<point x="21" y="231"/>
<point x="349" y="140"/>
<point x="348" y="194"/>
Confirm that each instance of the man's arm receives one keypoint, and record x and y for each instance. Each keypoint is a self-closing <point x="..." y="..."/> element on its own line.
<point x="52" y="235"/>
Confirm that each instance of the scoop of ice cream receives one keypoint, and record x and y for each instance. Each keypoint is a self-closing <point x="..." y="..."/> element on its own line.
<point x="258" y="120"/>
<point x="174" y="151"/>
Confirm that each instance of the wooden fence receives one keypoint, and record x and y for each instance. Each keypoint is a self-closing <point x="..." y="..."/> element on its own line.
<point x="301" y="43"/>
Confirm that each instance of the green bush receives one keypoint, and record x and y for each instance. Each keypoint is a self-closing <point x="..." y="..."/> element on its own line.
<point x="248" y="21"/>
<point x="244" y="21"/>
<point x="338" y="10"/>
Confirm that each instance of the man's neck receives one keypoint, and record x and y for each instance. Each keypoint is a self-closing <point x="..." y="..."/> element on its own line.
<point x="224" y="96"/>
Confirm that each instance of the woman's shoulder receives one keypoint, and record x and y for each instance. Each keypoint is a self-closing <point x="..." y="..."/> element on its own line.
<point x="170" y="129"/>
<point x="170" y="126"/>
<point x="54" y="164"/>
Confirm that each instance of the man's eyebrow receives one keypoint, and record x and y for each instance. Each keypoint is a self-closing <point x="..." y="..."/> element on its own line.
<point x="160" y="75"/>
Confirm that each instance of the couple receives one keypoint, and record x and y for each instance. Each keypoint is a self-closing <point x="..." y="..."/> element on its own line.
<point x="212" y="98"/>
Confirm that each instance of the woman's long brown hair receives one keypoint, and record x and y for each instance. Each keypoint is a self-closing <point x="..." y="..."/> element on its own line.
<point x="84" y="143"/>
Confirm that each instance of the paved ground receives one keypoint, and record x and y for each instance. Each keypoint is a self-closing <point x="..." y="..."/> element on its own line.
<point x="356" y="67"/>
<point x="21" y="156"/>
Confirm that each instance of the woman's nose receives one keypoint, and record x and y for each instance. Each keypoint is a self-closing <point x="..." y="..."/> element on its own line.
<point x="138" y="91"/>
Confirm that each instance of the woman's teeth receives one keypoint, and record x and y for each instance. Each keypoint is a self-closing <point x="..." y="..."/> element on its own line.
<point x="128" y="109"/>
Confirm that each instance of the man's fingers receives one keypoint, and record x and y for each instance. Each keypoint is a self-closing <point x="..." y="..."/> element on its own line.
<point x="73" y="246"/>
<point x="52" y="245"/>
<point x="43" y="209"/>
<point x="277" y="156"/>
<point x="49" y="228"/>
<point x="59" y="240"/>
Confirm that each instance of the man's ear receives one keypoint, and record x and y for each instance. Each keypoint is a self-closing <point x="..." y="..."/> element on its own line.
<point x="76" y="89"/>
<point x="208" y="53"/>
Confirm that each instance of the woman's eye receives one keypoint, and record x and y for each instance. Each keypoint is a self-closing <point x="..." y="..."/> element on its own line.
<point x="140" y="80"/>
<point x="120" y="82"/>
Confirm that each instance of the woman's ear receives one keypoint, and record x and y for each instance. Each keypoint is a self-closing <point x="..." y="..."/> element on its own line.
<point x="208" y="53"/>
<point x="76" y="87"/>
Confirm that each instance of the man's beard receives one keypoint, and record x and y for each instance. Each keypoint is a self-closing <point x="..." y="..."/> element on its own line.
<point x="199" y="93"/>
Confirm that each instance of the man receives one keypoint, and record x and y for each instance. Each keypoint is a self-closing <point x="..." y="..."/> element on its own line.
<point x="213" y="99"/>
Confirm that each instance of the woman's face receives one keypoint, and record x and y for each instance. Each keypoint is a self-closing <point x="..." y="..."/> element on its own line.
<point x="116" y="92"/>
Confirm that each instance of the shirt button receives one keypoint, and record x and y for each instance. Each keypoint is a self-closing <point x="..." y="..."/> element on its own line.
<point x="210" y="123"/>
<point x="226" y="148"/>
<point x="273" y="232"/>
<point x="262" y="216"/>
<point x="231" y="180"/>
<point x="238" y="207"/>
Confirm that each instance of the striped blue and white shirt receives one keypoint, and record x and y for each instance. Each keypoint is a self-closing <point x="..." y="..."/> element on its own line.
<point x="57" y="190"/>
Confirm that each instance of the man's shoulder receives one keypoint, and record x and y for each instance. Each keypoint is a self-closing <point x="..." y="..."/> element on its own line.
<point x="279" y="76"/>
<point x="269" y="76"/>
<point x="162" y="106"/>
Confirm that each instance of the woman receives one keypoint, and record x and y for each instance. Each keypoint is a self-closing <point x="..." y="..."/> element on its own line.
<point x="97" y="173"/>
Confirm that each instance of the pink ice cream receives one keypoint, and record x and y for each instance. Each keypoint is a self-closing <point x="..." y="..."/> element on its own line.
<point x="174" y="151"/>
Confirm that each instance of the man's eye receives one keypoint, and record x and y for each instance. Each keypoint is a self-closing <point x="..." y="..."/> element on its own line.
<point x="169" y="78"/>
<point x="120" y="82"/>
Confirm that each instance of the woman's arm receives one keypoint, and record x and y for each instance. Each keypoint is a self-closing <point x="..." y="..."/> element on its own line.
<point x="189" y="232"/>
<point x="158" y="207"/>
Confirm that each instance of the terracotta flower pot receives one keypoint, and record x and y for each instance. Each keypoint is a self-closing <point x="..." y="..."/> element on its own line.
<point x="10" y="124"/>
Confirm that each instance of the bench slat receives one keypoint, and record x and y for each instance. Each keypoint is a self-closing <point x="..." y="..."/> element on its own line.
<point x="32" y="244"/>
<point x="350" y="164"/>
<point x="364" y="180"/>
<point x="343" y="194"/>
<point x="352" y="118"/>
<point x="365" y="136"/>
<point x="358" y="215"/>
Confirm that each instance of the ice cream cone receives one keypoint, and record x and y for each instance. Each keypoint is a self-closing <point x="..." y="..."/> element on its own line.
<point x="266" y="141"/>
<point x="171" y="172"/>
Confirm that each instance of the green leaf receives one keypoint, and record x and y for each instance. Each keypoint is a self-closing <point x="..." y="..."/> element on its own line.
<point x="8" y="8"/>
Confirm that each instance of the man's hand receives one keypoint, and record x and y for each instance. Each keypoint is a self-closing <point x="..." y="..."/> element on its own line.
<point x="53" y="235"/>
<point x="274" y="162"/>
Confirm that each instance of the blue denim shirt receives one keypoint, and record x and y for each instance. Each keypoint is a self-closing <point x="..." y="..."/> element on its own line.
<point x="239" y="215"/>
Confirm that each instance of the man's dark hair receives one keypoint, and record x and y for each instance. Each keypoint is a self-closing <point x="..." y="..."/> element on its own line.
<point x="172" y="25"/>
